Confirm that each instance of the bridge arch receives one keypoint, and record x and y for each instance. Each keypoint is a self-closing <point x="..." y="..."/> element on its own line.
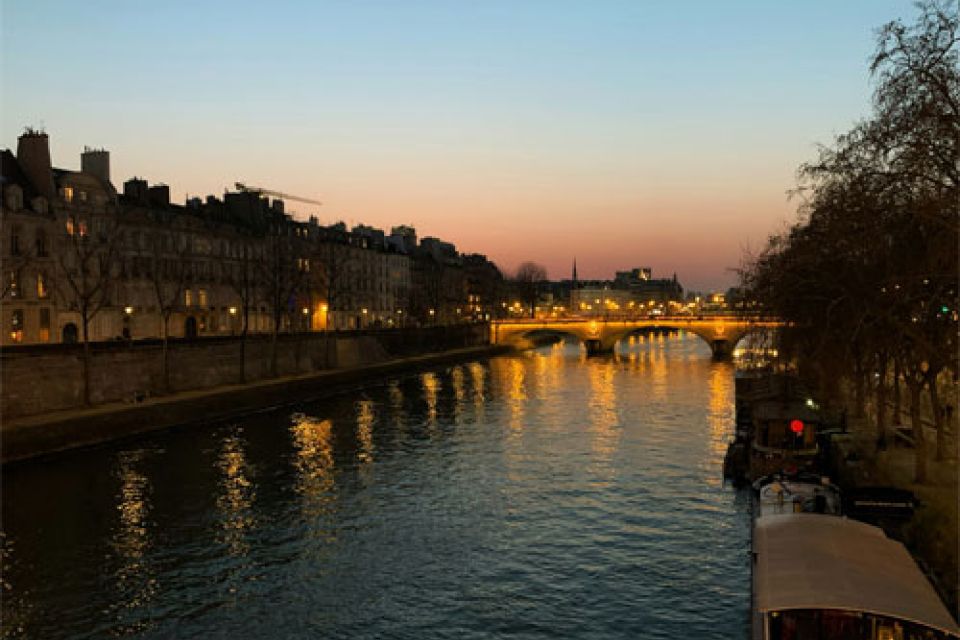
<point x="721" y="346"/>
<point x="600" y="335"/>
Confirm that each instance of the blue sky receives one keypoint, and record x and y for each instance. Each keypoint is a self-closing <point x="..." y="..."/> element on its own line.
<point x="663" y="134"/>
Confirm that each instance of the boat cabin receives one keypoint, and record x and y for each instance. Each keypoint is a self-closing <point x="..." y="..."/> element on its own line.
<point x="825" y="577"/>
<point x="784" y="434"/>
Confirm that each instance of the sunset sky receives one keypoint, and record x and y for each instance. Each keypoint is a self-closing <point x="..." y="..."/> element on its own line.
<point x="634" y="133"/>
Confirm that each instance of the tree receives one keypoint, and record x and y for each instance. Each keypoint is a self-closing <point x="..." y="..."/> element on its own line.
<point x="284" y="272"/>
<point x="868" y="273"/>
<point x="166" y="257"/>
<point x="529" y="278"/>
<point x="243" y="278"/>
<point x="88" y="265"/>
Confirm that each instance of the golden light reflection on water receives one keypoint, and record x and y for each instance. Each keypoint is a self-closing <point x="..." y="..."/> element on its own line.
<point x="719" y="417"/>
<point x="478" y="375"/>
<point x="459" y="393"/>
<point x="237" y="493"/>
<point x="516" y="392"/>
<point x="313" y="441"/>
<point x="366" y="416"/>
<point x="136" y="585"/>
<point x="603" y="410"/>
<point x="659" y="372"/>
<point x="431" y="391"/>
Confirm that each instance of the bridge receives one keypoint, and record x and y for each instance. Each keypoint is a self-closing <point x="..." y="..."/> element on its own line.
<point x="601" y="334"/>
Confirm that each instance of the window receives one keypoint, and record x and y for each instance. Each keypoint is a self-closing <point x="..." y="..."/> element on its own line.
<point x="202" y="297"/>
<point x="15" y="240"/>
<point x="41" y="243"/>
<point x="83" y="196"/>
<point x="188" y="298"/>
<point x="70" y="226"/>
<point x="42" y="290"/>
<point x="16" y="325"/>
<point x="44" y="325"/>
<point x="13" y="284"/>
<point x="68" y="194"/>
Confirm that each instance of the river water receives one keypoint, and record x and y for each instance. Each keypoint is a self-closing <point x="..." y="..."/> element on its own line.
<point x="541" y="495"/>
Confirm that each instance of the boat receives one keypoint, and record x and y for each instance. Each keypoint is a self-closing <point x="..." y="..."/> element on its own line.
<point x="818" y="574"/>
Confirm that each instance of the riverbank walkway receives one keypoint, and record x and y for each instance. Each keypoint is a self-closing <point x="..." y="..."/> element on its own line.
<point x="932" y="534"/>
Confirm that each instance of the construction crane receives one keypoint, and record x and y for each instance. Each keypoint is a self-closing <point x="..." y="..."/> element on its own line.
<point x="269" y="192"/>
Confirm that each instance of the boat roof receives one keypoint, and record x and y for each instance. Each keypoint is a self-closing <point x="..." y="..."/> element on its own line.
<point x="813" y="561"/>
<point x="776" y="410"/>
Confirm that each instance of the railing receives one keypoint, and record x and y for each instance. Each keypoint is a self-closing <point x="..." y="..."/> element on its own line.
<point x="568" y="319"/>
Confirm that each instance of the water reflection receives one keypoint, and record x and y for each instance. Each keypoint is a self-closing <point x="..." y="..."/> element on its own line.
<point x="584" y="489"/>
<point x="478" y="374"/>
<point x="721" y="387"/>
<point x="136" y="584"/>
<point x="16" y="603"/>
<point x="603" y="410"/>
<point x="458" y="382"/>
<point x="431" y="389"/>
<point x="396" y="400"/>
<point x="237" y="494"/>
<point x="314" y="482"/>
<point x="366" y="416"/>
<point x="516" y="391"/>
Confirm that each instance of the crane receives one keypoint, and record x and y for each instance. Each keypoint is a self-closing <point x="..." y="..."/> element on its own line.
<point x="269" y="192"/>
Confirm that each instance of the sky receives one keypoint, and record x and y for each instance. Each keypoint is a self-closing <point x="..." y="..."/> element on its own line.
<point x="625" y="133"/>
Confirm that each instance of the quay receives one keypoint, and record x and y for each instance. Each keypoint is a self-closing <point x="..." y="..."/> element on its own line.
<point x="36" y="435"/>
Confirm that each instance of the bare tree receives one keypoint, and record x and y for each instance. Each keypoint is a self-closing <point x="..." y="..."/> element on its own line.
<point x="244" y="280"/>
<point x="167" y="267"/>
<point x="88" y="264"/>
<point x="284" y="273"/>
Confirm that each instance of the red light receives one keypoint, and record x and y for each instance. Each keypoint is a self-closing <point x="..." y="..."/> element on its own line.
<point x="796" y="426"/>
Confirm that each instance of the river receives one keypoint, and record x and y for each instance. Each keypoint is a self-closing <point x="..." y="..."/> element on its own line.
<point x="541" y="495"/>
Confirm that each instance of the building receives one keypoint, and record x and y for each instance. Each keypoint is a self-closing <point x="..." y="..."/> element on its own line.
<point x="82" y="261"/>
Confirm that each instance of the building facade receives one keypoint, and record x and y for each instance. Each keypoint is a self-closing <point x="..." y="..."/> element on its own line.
<point x="82" y="261"/>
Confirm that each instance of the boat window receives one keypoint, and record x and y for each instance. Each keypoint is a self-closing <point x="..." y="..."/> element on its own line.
<point x="809" y="624"/>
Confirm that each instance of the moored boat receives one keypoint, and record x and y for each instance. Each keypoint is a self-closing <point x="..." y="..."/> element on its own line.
<point x="817" y="574"/>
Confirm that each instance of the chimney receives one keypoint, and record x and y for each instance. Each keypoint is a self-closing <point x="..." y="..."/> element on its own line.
<point x="33" y="154"/>
<point x="136" y="190"/>
<point x="96" y="162"/>
<point x="159" y="195"/>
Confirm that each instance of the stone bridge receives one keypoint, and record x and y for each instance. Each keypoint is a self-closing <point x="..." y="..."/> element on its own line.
<point x="600" y="335"/>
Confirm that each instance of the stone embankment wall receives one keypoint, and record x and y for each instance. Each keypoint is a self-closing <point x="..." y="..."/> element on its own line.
<point x="42" y="378"/>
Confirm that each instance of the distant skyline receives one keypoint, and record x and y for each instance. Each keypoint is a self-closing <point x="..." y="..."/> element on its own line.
<point x="624" y="134"/>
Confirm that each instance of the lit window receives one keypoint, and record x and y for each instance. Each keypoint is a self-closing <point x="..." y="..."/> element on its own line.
<point x="13" y="284"/>
<point x="44" y="325"/>
<point x="188" y="297"/>
<point x="16" y="325"/>
<point x="83" y="228"/>
<point x="70" y="227"/>
<point x="202" y="297"/>
<point x="68" y="194"/>
<point x="83" y="196"/>
<point x="42" y="290"/>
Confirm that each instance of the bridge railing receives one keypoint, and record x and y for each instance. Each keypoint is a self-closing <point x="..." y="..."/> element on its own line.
<point x="713" y="317"/>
